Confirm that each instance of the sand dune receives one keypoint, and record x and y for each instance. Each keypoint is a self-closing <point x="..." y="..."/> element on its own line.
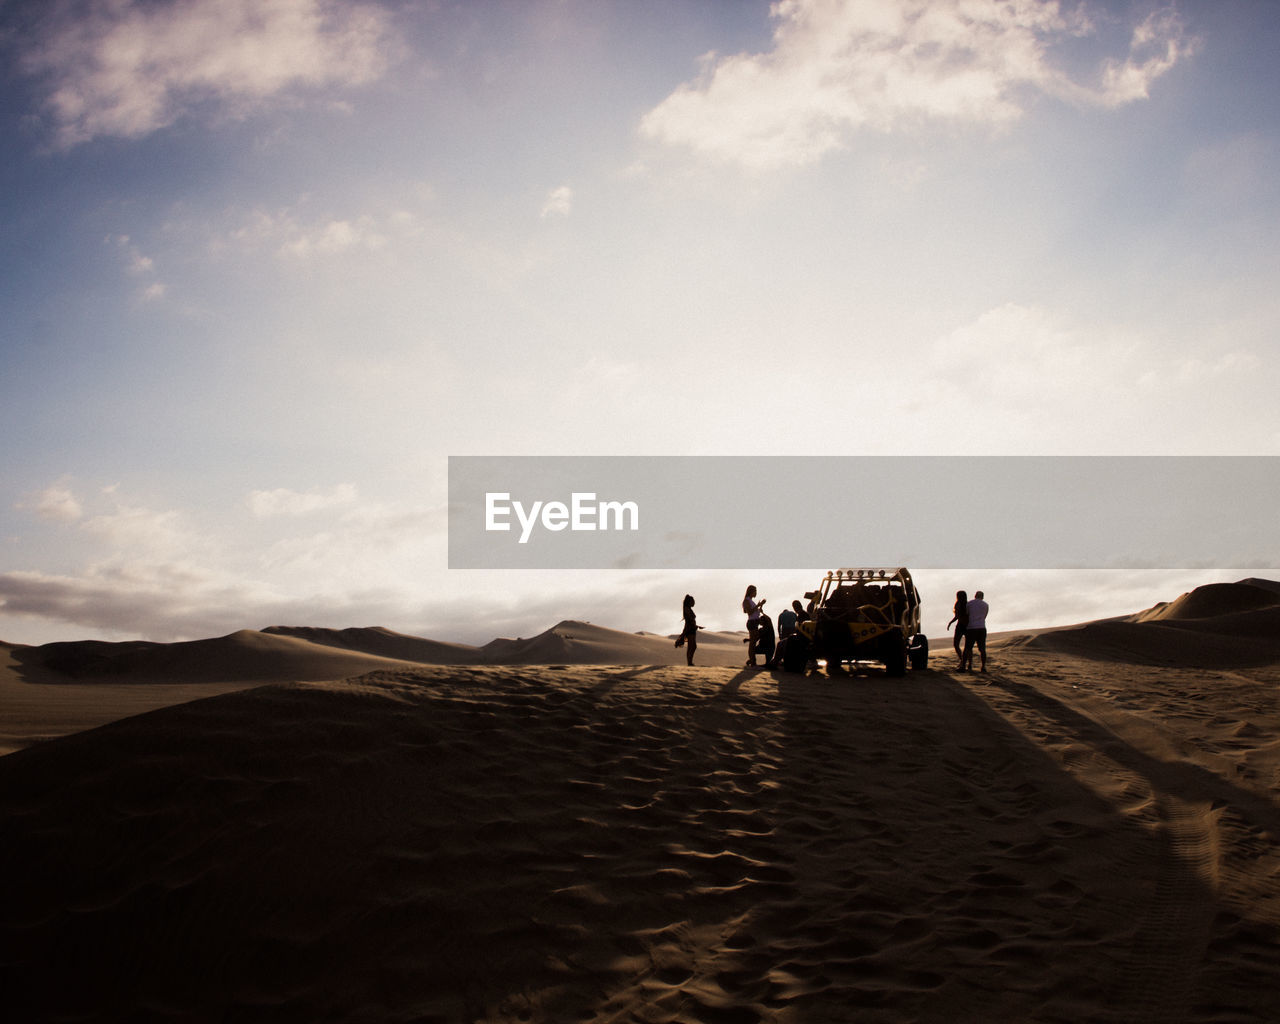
<point x="658" y="844"/>
<point x="569" y="642"/>
<point x="60" y="688"/>
<point x="1082" y="834"/>
<point x="98" y="682"/>
<point x="298" y="653"/>
<point x="243" y="655"/>
<point x="579" y="643"/>
<point x="385" y="643"/>
<point x="1220" y="625"/>
<point x="1214" y="601"/>
<point x="1272" y="585"/>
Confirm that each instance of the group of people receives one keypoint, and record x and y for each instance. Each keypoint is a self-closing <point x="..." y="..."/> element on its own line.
<point x="762" y="640"/>
<point x="971" y="629"/>
<point x="970" y="619"/>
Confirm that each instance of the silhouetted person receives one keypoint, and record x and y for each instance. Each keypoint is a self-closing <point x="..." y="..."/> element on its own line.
<point x="689" y="638"/>
<point x="975" y="634"/>
<point x="961" y="619"/>
<point x="767" y="642"/>
<point x="787" y="619"/>
<point x="753" y="609"/>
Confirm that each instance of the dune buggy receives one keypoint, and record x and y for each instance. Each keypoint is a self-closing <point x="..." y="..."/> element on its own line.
<point x="866" y="615"/>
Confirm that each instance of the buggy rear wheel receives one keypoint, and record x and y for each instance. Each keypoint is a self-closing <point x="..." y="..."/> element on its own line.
<point x="918" y="652"/>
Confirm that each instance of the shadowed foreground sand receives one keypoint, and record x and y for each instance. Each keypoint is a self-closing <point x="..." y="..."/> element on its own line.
<point x="1073" y="837"/>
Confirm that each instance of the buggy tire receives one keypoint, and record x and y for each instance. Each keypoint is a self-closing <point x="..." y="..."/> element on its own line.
<point x="918" y="652"/>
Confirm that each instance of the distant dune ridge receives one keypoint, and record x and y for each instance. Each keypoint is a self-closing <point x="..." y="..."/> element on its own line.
<point x="1219" y="625"/>
<point x="384" y="643"/>
<point x="580" y="643"/>
<point x="560" y="829"/>
<point x="1216" y="600"/>
<point x="99" y="682"/>
<point x="245" y="654"/>
<point x="313" y="653"/>
<point x="570" y="641"/>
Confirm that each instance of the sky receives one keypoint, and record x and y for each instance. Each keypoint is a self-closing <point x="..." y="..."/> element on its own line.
<point x="266" y="264"/>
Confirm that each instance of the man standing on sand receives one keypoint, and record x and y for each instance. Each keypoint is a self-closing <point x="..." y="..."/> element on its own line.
<point x="975" y="633"/>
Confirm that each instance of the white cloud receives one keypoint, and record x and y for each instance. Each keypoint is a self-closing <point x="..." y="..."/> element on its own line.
<point x="139" y="264"/>
<point x="137" y="532"/>
<point x="1023" y="354"/>
<point x="296" y="234"/>
<point x="127" y="69"/>
<point x="1022" y="379"/>
<point x="559" y="202"/>
<point x="56" y="502"/>
<point x="140" y="267"/>
<point x="335" y="237"/>
<point x="838" y="66"/>
<point x="1030" y="356"/>
<point x="384" y="544"/>
<point x="121" y="531"/>
<point x="1157" y="46"/>
<point x="160" y="574"/>
<point x="156" y="602"/>
<point x="284" y="502"/>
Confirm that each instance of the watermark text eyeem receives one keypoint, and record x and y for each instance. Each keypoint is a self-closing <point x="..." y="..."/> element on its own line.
<point x="583" y="512"/>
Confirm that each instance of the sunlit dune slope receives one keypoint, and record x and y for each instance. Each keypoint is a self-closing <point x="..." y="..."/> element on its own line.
<point x="383" y="642"/>
<point x="581" y="643"/>
<point x="1218" y="625"/>
<point x="244" y="655"/>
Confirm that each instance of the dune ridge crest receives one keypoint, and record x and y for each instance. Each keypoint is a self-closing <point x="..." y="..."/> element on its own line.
<point x="383" y="642"/>
<point x="246" y="654"/>
<point x="1218" y="625"/>
<point x="285" y="653"/>
<point x="1214" y="600"/>
<point x="575" y="642"/>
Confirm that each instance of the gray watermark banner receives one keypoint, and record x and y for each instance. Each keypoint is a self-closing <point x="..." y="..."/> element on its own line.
<point x="925" y="512"/>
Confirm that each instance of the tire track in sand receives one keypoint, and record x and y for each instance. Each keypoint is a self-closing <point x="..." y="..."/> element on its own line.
<point x="1173" y="897"/>
<point x="1173" y="934"/>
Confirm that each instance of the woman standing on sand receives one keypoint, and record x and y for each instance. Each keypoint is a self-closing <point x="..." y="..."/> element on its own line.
<point x="689" y="638"/>
<point x="961" y="619"/>
<point x="752" y="607"/>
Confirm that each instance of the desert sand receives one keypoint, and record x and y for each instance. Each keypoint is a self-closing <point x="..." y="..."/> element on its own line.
<point x="577" y="827"/>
